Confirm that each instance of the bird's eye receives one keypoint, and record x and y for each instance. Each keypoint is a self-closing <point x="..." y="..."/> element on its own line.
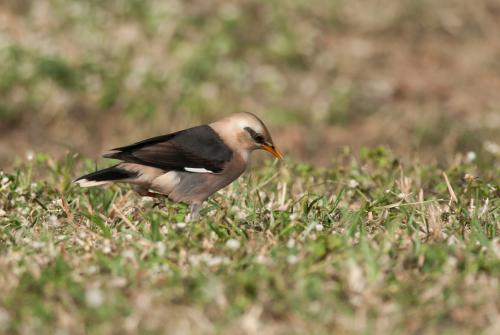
<point x="259" y="139"/>
<point x="255" y="136"/>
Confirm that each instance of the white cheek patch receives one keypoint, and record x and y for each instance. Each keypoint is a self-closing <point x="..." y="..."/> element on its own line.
<point x="197" y="170"/>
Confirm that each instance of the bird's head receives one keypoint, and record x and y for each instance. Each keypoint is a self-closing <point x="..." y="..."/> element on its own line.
<point x="248" y="132"/>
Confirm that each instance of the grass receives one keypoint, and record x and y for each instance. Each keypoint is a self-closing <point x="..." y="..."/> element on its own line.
<point x="368" y="245"/>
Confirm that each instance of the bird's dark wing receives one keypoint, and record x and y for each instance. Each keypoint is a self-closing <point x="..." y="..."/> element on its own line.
<point x="198" y="149"/>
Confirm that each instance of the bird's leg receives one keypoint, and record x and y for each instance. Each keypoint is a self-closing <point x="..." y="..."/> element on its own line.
<point x="194" y="212"/>
<point x="146" y="193"/>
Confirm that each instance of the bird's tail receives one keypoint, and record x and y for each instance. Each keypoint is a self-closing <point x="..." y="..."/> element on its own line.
<point x="104" y="176"/>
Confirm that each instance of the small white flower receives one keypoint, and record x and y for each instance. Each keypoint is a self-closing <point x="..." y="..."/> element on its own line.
<point x="5" y="180"/>
<point x="294" y="216"/>
<point x="491" y="147"/>
<point x="291" y="243"/>
<point x="53" y="221"/>
<point x="319" y="227"/>
<point x="353" y="183"/>
<point x="233" y="244"/>
<point x="292" y="259"/>
<point x="57" y="202"/>
<point x="471" y="156"/>
<point x="146" y="200"/>
<point x="94" y="297"/>
<point x="241" y="215"/>
<point x="30" y="155"/>
<point x="180" y="225"/>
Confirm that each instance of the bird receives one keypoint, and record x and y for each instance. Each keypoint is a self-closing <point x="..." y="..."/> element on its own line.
<point x="189" y="165"/>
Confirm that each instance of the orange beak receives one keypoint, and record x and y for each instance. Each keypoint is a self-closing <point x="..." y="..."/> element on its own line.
<point x="272" y="150"/>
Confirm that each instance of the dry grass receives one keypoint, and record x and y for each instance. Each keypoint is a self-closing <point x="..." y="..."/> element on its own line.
<point x="365" y="246"/>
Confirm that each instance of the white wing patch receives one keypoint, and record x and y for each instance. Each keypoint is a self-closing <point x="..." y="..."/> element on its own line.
<point x="197" y="170"/>
<point x="90" y="183"/>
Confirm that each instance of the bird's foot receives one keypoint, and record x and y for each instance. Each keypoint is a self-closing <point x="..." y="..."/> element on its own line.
<point x="194" y="212"/>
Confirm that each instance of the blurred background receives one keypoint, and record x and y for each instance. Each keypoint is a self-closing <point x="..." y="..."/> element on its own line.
<point x="420" y="76"/>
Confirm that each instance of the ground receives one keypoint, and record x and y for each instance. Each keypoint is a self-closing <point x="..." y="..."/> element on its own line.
<point x="84" y="76"/>
<point x="368" y="245"/>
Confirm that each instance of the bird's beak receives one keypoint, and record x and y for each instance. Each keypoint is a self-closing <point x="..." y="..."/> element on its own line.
<point x="272" y="149"/>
